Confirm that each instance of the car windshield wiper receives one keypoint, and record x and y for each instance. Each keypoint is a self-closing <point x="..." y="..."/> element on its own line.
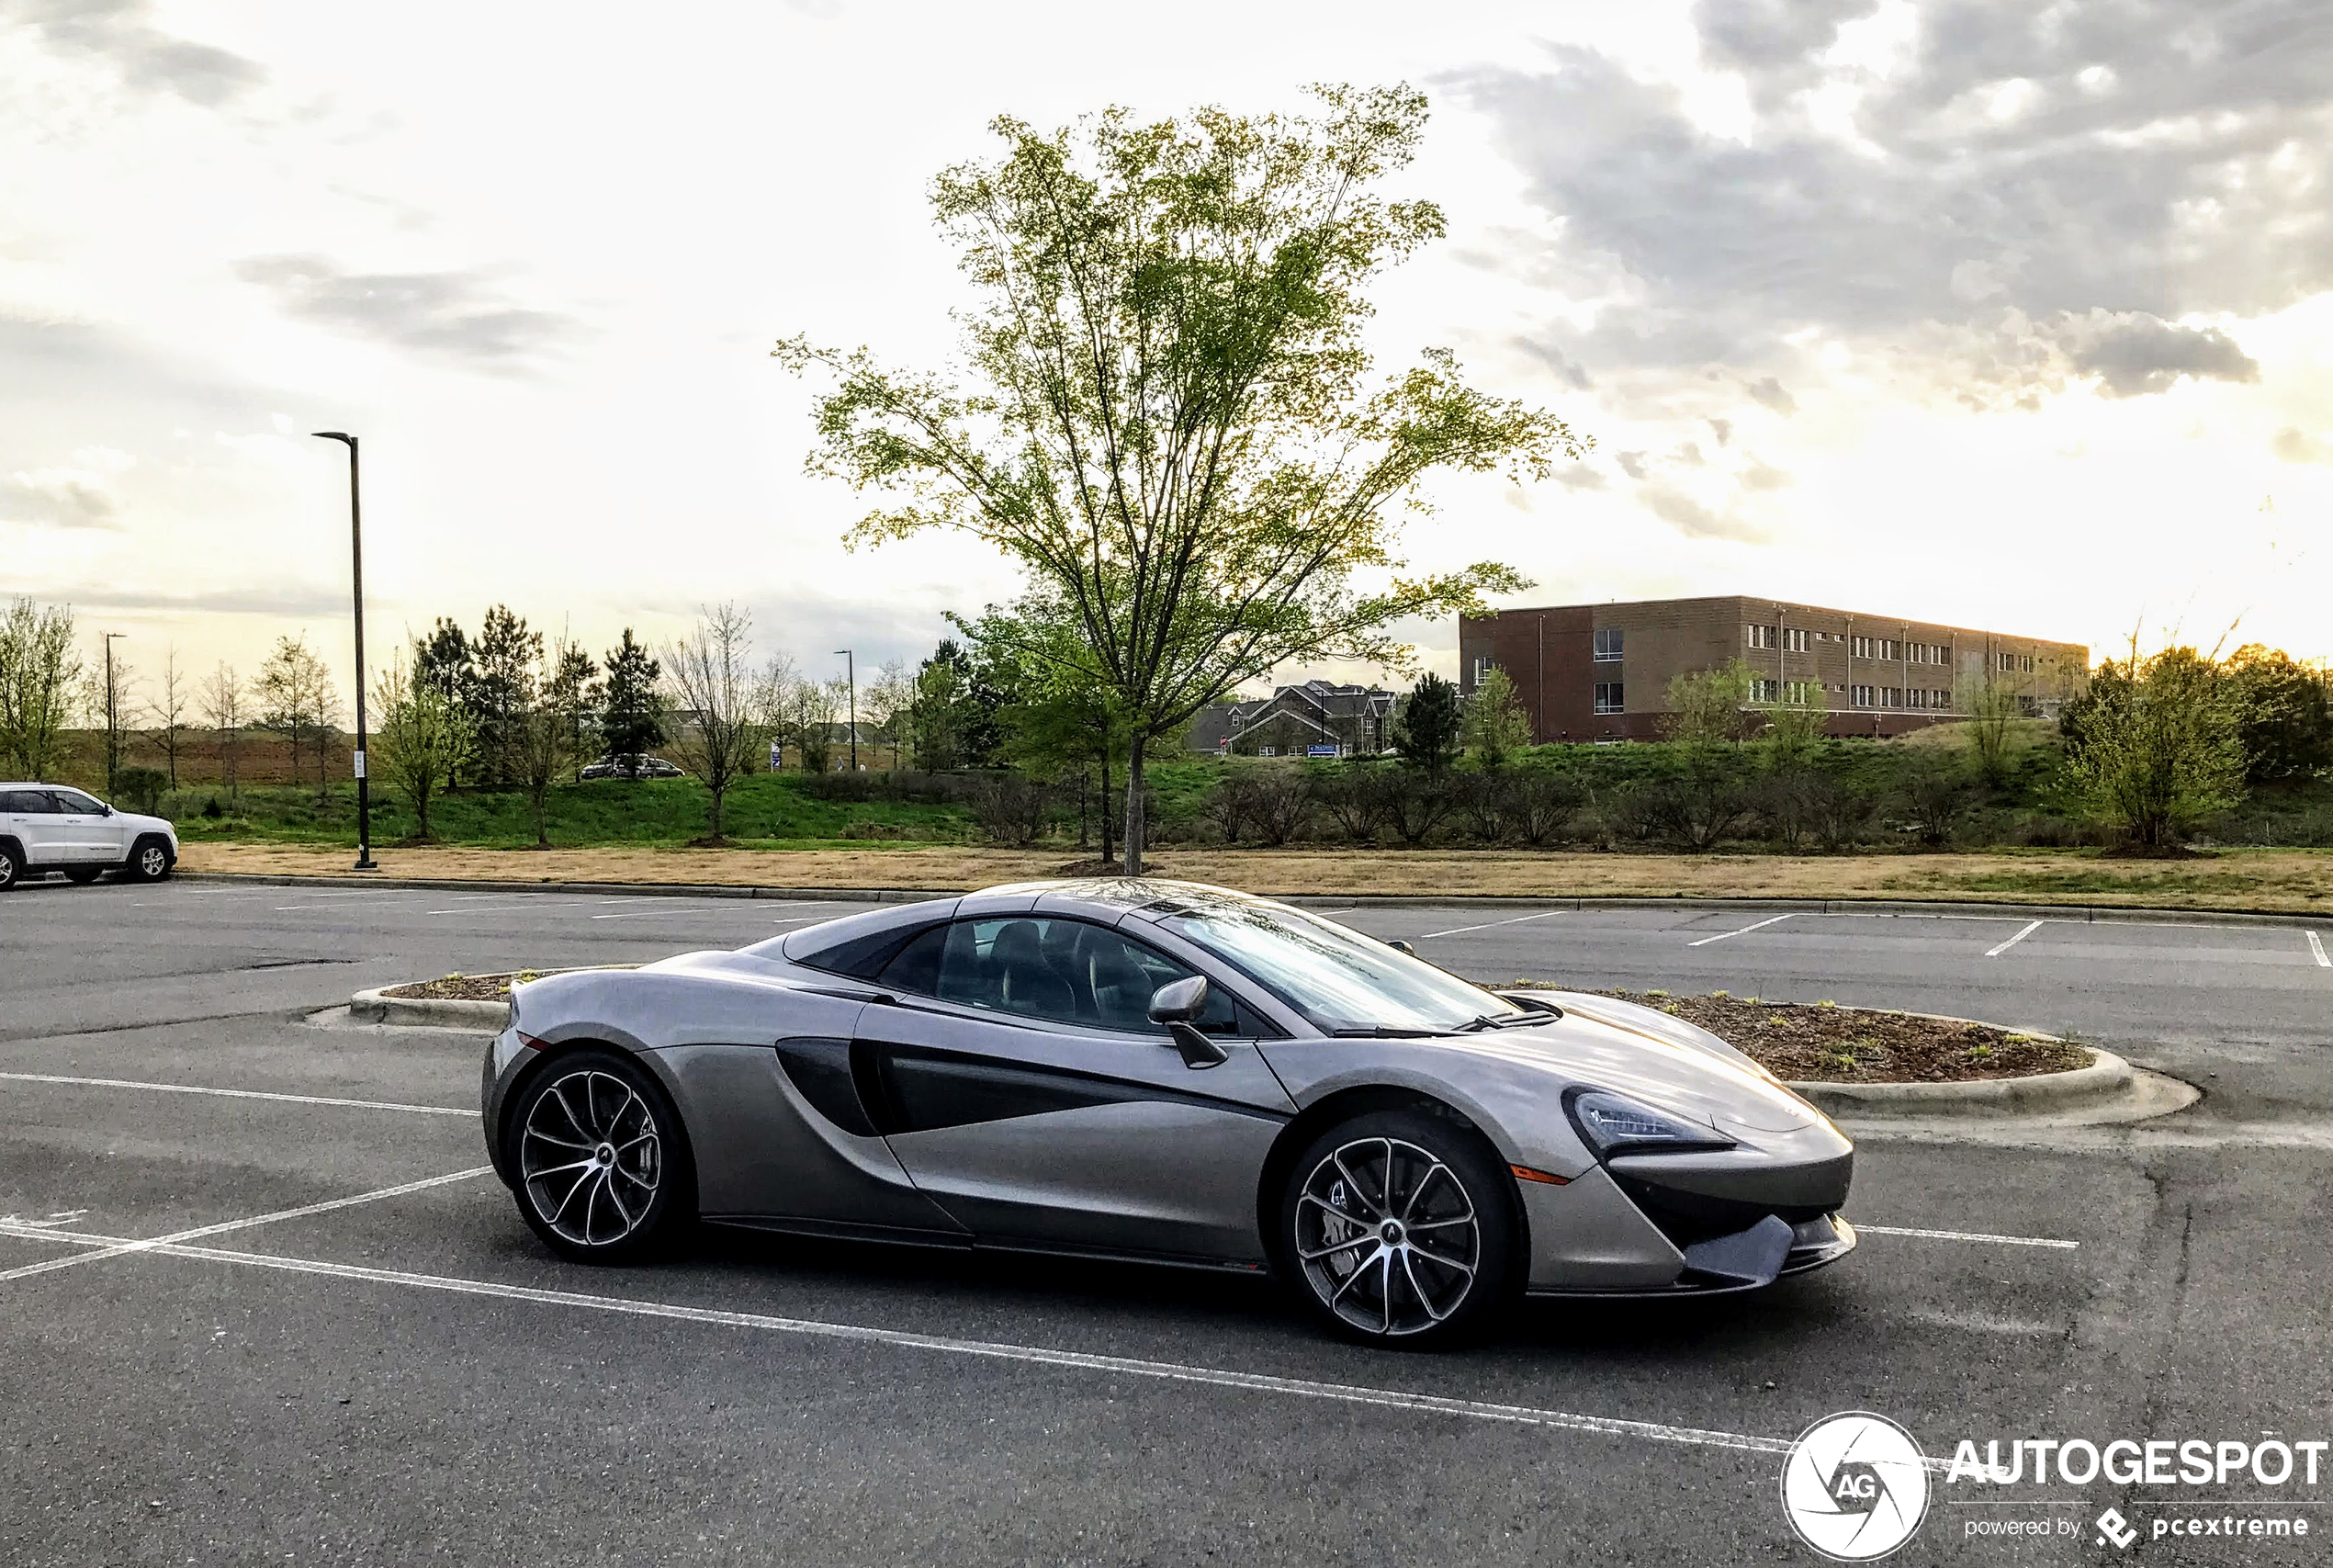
<point x="1384" y="1032"/>
<point x="1511" y="1021"/>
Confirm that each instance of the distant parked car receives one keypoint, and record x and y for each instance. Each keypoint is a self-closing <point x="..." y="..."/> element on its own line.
<point x="46" y="828"/>
<point x="632" y="768"/>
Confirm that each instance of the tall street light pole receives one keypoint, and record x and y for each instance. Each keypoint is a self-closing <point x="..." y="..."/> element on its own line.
<point x="851" y="663"/>
<point x="113" y="719"/>
<point x="357" y="576"/>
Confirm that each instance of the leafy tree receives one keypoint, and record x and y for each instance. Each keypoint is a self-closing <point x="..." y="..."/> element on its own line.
<point x="297" y="700"/>
<point x="424" y="734"/>
<point x="40" y="679"/>
<point x="725" y="725"/>
<point x="2155" y="746"/>
<point x="2283" y="720"/>
<point x="1426" y="725"/>
<point x="1709" y="706"/>
<point x="884" y="703"/>
<point x="550" y="733"/>
<point x="570" y="688"/>
<point x="444" y="659"/>
<point x="1496" y="726"/>
<point x="1993" y="703"/>
<point x="501" y="693"/>
<point x="953" y="716"/>
<point x="1170" y="428"/>
<point x="632" y="701"/>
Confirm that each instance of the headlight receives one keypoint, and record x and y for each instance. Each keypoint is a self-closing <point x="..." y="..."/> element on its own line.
<point x="1613" y="1123"/>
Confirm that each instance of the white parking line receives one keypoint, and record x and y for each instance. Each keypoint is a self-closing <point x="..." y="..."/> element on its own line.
<point x="1037" y="1355"/>
<point x="671" y="909"/>
<point x="2317" y="947"/>
<point x="114" y="1246"/>
<point x="1757" y="926"/>
<point x="2031" y="927"/>
<point x="1488" y="925"/>
<point x="239" y="1093"/>
<point x="1861" y="1229"/>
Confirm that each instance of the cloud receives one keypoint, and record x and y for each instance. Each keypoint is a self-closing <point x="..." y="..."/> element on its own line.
<point x="1632" y="463"/>
<point x="81" y="495"/>
<point x="1767" y="392"/>
<point x="1941" y="193"/>
<point x="2134" y="354"/>
<point x="1580" y="475"/>
<point x="2296" y="445"/>
<point x="118" y="33"/>
<point x="454" y="315"/>
<point x="1692" y="519"/>
<point x="1759" y="475"/>
<point x="1555" y="359"/>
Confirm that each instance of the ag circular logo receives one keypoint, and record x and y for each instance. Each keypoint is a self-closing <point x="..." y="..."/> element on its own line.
<point x="1855" y="1486"/>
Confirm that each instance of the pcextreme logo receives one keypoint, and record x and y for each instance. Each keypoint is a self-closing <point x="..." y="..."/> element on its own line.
<point x="1855" y="1486"/>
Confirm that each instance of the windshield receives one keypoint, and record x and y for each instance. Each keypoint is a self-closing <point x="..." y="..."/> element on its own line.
<point x="1336" y="976"/>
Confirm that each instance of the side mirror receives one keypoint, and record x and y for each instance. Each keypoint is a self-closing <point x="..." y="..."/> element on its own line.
<point x="1175" y="1004"/>
<point x="104" y="811"/>
<point x="1178" y="1001"/>
<point x="1400" y="946"/>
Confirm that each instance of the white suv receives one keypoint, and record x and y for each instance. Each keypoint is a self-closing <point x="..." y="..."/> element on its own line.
<point x="50" y="828"/>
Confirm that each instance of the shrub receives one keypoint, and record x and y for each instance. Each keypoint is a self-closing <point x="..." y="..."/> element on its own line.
<point x="1281" y="805"/>
<point x="1540" y="805"/>
<point x="1416" y="803"/>
<point x="141" y="787"/>
<point x="1010" y="809"/>
<point x="1357" y="798"/>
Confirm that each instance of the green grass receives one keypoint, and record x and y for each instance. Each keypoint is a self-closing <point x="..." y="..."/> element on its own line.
<point x="767" y="810"/>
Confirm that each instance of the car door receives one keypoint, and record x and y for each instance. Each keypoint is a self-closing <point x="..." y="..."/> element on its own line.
<point x="1023" y="1087"/>
<point x="90" y="832"/>
<point x="37" y="823"/>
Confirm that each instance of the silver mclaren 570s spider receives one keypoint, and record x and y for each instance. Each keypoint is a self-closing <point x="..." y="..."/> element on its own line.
<point x="1162" y="1071"/>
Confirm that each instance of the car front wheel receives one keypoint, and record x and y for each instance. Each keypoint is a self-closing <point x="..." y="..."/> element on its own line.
<point x="602" y="1165"/>
<point x="1399" y="1228"/>
<point x="150" y="862"/>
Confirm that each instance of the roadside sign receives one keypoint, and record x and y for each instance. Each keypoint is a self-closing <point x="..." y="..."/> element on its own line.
<point x="777" y="757"/>
<point x="1320" y="752"/>
<point x="360" y="764"/>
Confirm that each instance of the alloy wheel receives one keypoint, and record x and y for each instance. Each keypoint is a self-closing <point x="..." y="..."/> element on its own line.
<point x="152" y="862"/>
<point x="1387" y="1236"/>
<point x="590" y="1158"/>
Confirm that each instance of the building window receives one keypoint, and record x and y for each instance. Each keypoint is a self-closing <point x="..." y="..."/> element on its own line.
<point x="1608" y="644"/>
<point x="1758" y="636"/>
<point x="1794" y="639"/>
<point x="1862" y="648"/>
<point x="1800" y="694"/>
<point x="1608" y="696"/>
<point x="1941" y="701"/>
<point x="1765" y="691"/>
<point x="1483" y="666"/>
<point x="1891" y="696"/>
<point x="1865" y="696"/>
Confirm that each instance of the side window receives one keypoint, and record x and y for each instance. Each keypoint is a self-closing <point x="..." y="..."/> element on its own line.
<point x="1066" y="971"/>
<point x="74" y="802"/>
<point x="26" y="803"/>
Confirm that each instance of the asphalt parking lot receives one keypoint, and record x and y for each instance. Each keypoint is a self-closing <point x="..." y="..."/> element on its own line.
<point x="293" y="1320"/>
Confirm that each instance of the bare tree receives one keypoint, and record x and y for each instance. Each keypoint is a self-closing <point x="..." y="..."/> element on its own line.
<point x="722" y="723"/>
<point x="167" y="710"/>
<point x="884" y="703"/>
<point x="225" y="709"/>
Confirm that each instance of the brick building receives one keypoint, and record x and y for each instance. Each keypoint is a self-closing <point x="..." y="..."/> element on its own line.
<point x="1602" y="671"/>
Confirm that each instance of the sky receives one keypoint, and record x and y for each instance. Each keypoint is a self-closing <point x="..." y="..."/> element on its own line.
<point x="1990" y="312"/>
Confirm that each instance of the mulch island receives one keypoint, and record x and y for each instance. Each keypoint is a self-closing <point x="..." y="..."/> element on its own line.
<point x="1823" y="1042"/>
<point x="476" y="987"/>
<point x="1799" y="1041"/>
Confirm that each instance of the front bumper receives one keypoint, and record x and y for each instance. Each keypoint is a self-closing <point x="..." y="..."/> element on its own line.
<point x="1695" y="1224"/>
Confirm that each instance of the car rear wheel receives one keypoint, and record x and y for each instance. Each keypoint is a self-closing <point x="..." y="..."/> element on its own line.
<point x="10" y="869"/>
<point x="82" y="876"/>
<point x="602" y="1168"/>
<point x="1398" y="1228"/>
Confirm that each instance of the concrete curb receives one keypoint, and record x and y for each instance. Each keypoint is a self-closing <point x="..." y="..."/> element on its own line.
<point x="2087" y="913"/>
<point x="2106" y="1076"/>
<point x="376" y="1007"/>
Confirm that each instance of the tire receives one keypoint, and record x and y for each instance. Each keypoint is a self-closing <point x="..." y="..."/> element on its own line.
<point x="82" y="876"/>
<point x="11" y="867"/>
<point x="149" y="862"/>
<point x="601" y="1161"/>
<point x="1427" y="1214"/>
